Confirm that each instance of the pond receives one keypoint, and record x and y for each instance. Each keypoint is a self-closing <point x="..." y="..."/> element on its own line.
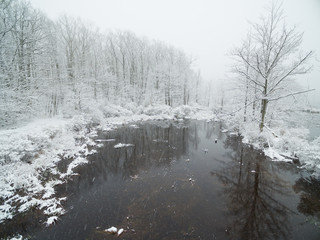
<point x="184" y="180"/>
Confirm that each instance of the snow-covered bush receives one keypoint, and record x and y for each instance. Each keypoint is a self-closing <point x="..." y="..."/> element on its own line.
<point x="157" y="110"/>
<point x="111" y="110"/>
<point x="183" y="112"/>
<point x="28" y="157"/>
<point x="26" y="143"/>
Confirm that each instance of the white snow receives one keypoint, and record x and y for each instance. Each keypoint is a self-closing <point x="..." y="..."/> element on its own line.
<point x="122" y="145"/>
<point x="112" y="230"/>
<point x="17" y="237"/>
<point x="29" y="154"/>
<point x="120" y="231"/>
<point x="288" y="136"/>
<point x="78" y="161"/>
<point x="51" y="220"/>
<point x="105" y="140"/>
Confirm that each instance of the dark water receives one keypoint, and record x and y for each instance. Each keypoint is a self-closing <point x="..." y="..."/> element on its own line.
<point x="176" y="182"/>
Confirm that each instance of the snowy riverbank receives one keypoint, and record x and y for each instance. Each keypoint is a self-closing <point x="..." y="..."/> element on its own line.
<point x="29" y="154"/>
<point x="292" y="137"/>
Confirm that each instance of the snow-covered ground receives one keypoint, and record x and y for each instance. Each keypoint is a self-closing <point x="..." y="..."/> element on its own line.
<point x="29" y="154"/>
<point x="28" y="158"/>
<point x="297" y="133"/>
<point x="291" y="136"/>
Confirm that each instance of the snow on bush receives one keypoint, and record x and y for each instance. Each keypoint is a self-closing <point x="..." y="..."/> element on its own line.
<point x="180" y="112"/>
<point x="281" y="141"/>
<point x="183" y="112"/>
<point x="28" y="155"/>
<point x="310" y="155"/>
<point x="28" y="143"/>
<point x="112" y="110"/>
<point x="158" y="110"/>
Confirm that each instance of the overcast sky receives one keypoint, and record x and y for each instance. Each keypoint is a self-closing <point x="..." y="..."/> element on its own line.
<point x="205" y="29"/>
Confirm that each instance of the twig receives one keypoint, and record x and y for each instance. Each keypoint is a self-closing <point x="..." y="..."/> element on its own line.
<point x="291" y="94"/>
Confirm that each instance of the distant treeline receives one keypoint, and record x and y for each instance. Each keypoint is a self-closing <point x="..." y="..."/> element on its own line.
<point x="47" y="67"/>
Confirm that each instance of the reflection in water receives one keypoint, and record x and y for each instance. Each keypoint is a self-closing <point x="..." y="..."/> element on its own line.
<point x="309" y="189"/>
<point x="254" y="188"/>
<point x="167" y="186"/>
<point x="153" y="147"/>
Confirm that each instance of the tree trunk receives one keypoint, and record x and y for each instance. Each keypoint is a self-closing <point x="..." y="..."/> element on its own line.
<point x="264" y="104"/>
<point x="263" y="113"/>
<point x="246" y="101"/>
<point x="254" y="102"/>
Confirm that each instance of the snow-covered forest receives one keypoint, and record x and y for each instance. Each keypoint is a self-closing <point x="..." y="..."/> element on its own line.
<point x="68" y="89"/>
<point x="69" y="66"/>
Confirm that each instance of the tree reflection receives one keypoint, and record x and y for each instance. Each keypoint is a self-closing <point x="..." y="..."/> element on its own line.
<point x="162" y="202"/>
<point x="253" y="186"/>
<point x="309" y="198"/>
<point x="155" y="145"/>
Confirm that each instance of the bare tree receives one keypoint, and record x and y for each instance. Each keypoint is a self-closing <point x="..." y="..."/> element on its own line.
<point x="67" y="66"/>
<point x="270" y="58"/>
<point x="6" y="23"/>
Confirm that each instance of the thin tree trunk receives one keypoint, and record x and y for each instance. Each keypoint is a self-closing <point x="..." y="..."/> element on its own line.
<point x="264" y="104"/>
<point x="263" y="113"/>
<point x="246" y="101"/>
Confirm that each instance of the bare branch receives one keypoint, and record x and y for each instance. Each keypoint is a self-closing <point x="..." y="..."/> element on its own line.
<point x="291" y="71"/>
<point x="249" y="77"/>
<point x="291" y="94"/>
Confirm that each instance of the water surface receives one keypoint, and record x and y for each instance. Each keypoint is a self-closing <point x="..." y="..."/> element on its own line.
<point x="185" y="180"/>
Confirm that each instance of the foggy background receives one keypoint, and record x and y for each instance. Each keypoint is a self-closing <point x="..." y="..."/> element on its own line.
<point x="205" y="29"/>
